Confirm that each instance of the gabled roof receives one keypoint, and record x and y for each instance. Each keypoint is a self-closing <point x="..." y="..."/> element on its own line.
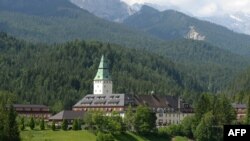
<point x="172" y="101"/>
<point x="152" y="101"/>
<point x="103" y="70"/>
<point x="68" y="115"/>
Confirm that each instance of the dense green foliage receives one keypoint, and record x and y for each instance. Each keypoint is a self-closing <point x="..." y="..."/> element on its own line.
<point x="104" y="137"/>
<point x="65" y="125"/>
<point x="211" y="113"/>
<point x="144" y="120"/>
<point x="100" y="122"/>
<point x="63" y="73"/>
<point x="9" y="130"/>
<point x="205" y="131"/>
<point x="42" y="124"/>
<point x="248" y="112"/>
<point x="32" y="124"/>
<point x="239" y="88"/>
<point x="129" y="119"/>
<point x="12" y="130"/>
<point x="75" y="125"/>
<point x="171" y="24"/>
<point x="60" y="21"/>
<point x="53" y="127"/>
<point x="22" y="124"/>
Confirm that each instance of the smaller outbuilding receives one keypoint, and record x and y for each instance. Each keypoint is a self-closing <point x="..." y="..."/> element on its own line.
<point x="67" y="115"/>
<point x="32" y="110"/>
<point x="241" y="110"/>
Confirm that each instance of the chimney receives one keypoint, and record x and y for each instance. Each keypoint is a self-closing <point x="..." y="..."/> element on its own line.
<point x="179" y="102"/>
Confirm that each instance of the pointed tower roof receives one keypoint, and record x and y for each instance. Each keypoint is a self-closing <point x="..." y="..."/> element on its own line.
<point x="103" y="70"/>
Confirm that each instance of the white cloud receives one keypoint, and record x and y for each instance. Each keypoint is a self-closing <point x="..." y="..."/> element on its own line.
<point x="207" y="10"/>
<point x="202" y="8"/>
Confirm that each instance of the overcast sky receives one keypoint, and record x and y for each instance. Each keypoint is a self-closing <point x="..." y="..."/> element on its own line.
<point x="202" y="8"/>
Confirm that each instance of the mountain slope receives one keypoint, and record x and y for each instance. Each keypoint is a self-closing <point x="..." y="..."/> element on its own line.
<point x="171" y="24"/>
<point x="50" y="24"/>
<point x="239" y="22"/>
<point x="211" y="66"/>
<point x="38" y="7"/>
<point x="113" y="10"/>
<point x="47" y="74"/>
<point x="239" y="88"/>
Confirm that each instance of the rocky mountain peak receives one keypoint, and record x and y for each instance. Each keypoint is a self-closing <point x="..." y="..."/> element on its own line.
<point x="194" y="35"/>
<point x="112" y="10"/>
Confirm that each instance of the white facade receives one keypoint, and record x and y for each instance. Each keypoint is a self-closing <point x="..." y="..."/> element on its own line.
<point x="102" y="87"/>
<point x="170" y="118"/>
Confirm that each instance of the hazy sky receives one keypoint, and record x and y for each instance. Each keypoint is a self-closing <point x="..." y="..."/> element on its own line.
<point x="202" y="8"/>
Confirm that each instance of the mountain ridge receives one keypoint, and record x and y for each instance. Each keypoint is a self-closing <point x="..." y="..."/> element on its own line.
<point x="170" y="24"/>
<point x="80" y="24"/>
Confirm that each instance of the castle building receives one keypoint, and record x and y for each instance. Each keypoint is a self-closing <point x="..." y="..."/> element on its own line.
<point x="102" y="81"/>
<point x="103" y="97"/>
<point x="168" y="109"/>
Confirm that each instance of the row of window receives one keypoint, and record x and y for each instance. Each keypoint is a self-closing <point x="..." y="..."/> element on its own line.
<point x="160" y="122"/>
<point x="102" y="81"/>
<point x="103" y="97"/>
<point x="173" y="115"/>
<point x="101" y="104"/>
<point x="99" y="109"/>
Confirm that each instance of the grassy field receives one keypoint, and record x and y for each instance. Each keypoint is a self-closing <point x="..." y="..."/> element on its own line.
<point x="49" y="135"/>
<point x="178" y="138"/>
<point x="82" y="135"/>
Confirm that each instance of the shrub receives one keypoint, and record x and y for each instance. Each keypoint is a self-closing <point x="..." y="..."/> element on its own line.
<point x="22" y="124"/>
<point x="65" y="125"/>
<point x="75" y="124"/>
<point x="42" y="126"/>
<point x="32" y="123"/>
<point x="104" y="137"/>
<point x="53" y="127"/>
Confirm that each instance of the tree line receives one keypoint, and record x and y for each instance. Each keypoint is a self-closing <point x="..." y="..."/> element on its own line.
<point x="59" y="75"/>
<point x="9" y="129"/>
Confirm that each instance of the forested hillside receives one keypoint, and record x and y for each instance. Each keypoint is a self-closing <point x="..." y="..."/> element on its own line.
<point x="239" y="89"/>
<point x="212" y="67"/>
<point x="171" y="24"/>
<point x="61" y="21"/>
<point x="63" y="73"/>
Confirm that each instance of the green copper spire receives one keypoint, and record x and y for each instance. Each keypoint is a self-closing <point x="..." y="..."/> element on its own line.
<point x="103" y="70"/>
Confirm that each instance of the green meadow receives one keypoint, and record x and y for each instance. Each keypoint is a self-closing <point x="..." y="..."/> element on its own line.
<point x="48" y="135"/>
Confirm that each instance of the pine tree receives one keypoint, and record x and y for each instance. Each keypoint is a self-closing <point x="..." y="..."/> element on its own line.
<point x="53" y="126"/>
<point x="42" y="126"/>
<point x="65" y="125"/>
<point x="22" y="124"/>
<point x="129" y="119"/>
<point x="11" y="128"/>
<point x="248" y="112"/>
<point x="32" y="123"/>
<point x="75" y="124"/>
<point x="202" y="106"/>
